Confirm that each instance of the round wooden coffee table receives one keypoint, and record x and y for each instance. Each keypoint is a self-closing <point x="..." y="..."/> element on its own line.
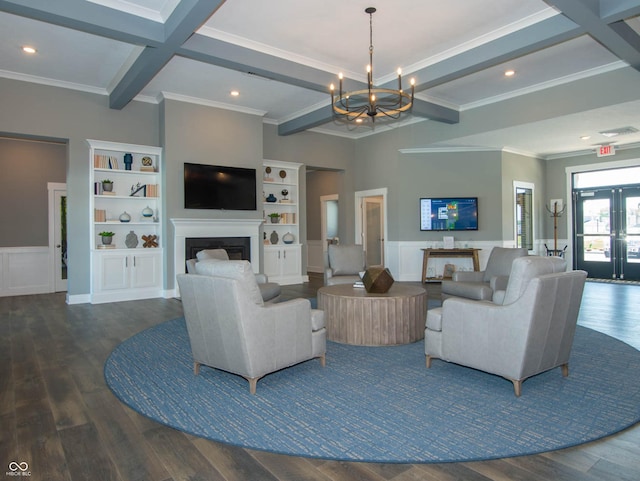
<point x="354" y="316"/>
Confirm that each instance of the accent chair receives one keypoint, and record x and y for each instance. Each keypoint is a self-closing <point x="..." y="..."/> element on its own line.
<point x="344" y="264"/>
<point x="230" y="328"/>
<point x="530" y="333"/>
<point x="480" y="285"/>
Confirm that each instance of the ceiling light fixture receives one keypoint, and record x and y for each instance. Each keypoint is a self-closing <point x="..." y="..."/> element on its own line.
<point x="27" y="49"/>
<point x="234" y="93"/>
<point x="372" y="100"/>
<point x="509" y="73"/>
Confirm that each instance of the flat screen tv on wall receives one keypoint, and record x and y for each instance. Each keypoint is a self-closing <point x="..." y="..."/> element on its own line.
<point x="219" y="187"/>
<point x="449" y="213"/>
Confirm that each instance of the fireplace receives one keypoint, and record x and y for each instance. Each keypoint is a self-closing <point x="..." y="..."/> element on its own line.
<point x="238" y="248"/>
<point x="226" y="234"/>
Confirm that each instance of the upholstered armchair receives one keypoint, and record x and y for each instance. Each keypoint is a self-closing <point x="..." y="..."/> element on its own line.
<point x="270" y="290"/>
<point x="344" y="264"/>
<point x="530" y="333"/>
<point x="230" y="328"/>
<point x="481" y="285"/>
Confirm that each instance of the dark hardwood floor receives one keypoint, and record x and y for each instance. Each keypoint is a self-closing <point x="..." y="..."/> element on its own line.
<point x="57" y="414"/>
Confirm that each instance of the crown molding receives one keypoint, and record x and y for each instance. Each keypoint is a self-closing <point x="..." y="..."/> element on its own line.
<point x="52" y="82"/>
<point x="545" y="85"/>
<point x="211" y="103"/>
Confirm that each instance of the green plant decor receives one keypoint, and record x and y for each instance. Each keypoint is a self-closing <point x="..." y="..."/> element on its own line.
<point x="106" y="234"/>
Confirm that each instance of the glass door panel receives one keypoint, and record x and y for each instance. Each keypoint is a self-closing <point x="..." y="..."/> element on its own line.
<point x="630" y="233"/>
<point x="594" y="234"/>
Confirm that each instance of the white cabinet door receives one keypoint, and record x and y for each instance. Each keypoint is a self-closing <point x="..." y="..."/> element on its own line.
<point x="113" y="273"/>
<point x="145" y="270"/>
<point x="283" y="264"/>
<point x="290" y="261"/>
<point x="272" y="262"/>
<point x="125" y="275"/>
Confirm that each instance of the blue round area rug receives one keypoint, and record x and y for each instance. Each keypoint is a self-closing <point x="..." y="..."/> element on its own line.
<point x="381" y="404"/>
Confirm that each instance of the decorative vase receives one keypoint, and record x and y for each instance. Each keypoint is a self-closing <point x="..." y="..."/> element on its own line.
<point x="131" y="240"/>
<point x="106" y="240"/>
<point x="271" y="198"/>
<point x="124" y="217"/>
<point x="274" y="237"/>
<point x="128" y="160"/>
<point x="107" y="186"/>
<point x="288" y="238"/>
<point x="147" y="212"/>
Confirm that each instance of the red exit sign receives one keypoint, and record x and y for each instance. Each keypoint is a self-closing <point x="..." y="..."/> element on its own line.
<point x="605" y="150"/>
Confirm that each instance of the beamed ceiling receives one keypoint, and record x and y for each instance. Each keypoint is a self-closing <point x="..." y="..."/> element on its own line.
<point x="281" y="56"/>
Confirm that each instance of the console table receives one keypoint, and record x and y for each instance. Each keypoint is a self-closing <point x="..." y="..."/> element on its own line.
<point x="428" y="253"/>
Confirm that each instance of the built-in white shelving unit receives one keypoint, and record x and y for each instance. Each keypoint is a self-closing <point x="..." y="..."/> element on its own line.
<point x="282" y="249"/>
<point x="125" y="269"/>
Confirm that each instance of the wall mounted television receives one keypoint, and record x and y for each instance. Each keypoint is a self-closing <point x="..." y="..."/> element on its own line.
<point x="448" y="213"/>
<point x="219" y="187"/>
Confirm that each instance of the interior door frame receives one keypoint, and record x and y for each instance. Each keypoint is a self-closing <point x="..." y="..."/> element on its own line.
<point x="56" y="283"/>
<point x="575" y="169"/>
<point x="359" y="217"/>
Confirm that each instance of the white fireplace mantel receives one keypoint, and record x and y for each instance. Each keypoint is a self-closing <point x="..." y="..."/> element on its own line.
<point x="189" y="228"/>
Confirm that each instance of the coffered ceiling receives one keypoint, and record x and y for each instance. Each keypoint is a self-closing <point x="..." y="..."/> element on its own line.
<point x="281" y="56"/>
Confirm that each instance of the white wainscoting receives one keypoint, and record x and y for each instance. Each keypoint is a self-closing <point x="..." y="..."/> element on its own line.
<point x="24" y="270"/>
<point x="404" y="258"/>
<point x="315" y="256"/>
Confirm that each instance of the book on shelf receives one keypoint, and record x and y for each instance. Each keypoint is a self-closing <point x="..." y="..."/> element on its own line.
<point x="288" y="218"/>
<point x="106" y="246"/>
<point x="100" y="215"/>
<point x="147" y="168"/>
<point x="101" y="161"/>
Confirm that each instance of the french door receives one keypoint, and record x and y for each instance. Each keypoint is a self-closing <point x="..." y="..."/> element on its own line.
<point x="607" y="232"/>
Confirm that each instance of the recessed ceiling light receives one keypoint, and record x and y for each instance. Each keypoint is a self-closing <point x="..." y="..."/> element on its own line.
<point x="509" y="73"/>
<point x="585" y="137"/>
<point x="27" y="49"/>
<point x="234" y="93"/>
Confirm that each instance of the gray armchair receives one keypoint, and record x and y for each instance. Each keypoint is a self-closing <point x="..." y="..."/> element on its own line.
<point x="530" y="333"/>
<point x="270" y="290"/>
<point x="481" y="285"/>
<point x="344" y="264"/>
<point x="230" y="328"/>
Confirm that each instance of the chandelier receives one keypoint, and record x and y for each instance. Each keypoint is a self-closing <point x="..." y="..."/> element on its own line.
<point x="372" y="100"/>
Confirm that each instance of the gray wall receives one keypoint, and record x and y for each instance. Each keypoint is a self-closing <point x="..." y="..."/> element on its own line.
<point x="209" y="135"/>
<point x="523" y="169"/>
<point x="43" y="111"/>
<point x="27" y="167"/>
<point x="556" y="179"/>
<point x="322" y="151"/>
<point x="321" y="183"/>
<point x="204" y="135"/>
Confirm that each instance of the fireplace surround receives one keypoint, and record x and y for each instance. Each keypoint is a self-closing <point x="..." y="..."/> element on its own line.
<point x="223" y="231"/>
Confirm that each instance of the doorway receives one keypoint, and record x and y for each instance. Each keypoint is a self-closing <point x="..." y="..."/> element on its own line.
<point x="371" y="225"/>
<point x="58" y="235"/>
<point x="329" y="219"/>
<point x="607" y="232"/>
